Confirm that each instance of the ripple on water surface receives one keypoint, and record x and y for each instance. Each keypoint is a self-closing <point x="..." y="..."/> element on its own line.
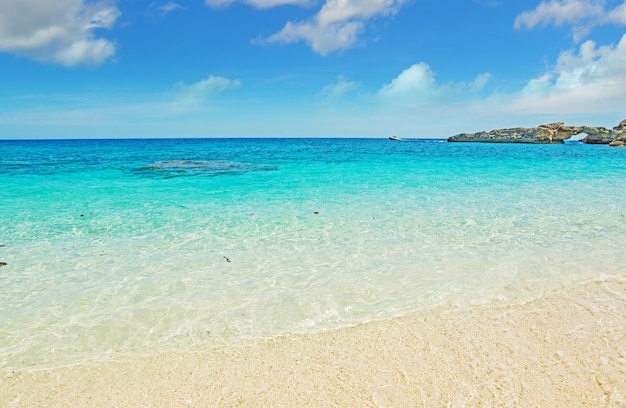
<point x="295" y="236"/>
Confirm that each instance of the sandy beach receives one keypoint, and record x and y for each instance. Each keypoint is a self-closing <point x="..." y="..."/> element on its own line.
<point x="567" y="348"/>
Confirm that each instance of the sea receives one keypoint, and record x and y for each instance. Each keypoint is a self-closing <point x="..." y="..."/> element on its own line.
<point x="110" y="247"/>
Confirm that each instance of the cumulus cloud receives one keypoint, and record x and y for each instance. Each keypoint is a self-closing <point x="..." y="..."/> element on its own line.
<point x="337" y="25"/>
<point x="418" y="84"/>
<point x="581" y="15"/>
<point x="338" y="88"/>
<point x="415" y="82"/>
<point x="57" y="31"/>
<point x="588" y="80"/>
<point x="593" y="79"/>
<point x="195" y="95"/>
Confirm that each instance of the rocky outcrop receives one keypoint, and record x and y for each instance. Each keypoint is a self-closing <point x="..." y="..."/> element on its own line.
<point x="512" y="135"/>
<point x="598" y="136"/>
<point x="605" y="136"/>
<point x="552" y="133"/>
<point x="621" y="126"/>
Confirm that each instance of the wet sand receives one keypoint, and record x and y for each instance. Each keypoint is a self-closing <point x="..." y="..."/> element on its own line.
<point x="565" y="349"/>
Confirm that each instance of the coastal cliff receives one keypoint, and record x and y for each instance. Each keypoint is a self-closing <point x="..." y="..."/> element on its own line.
<point x="552" y="133"/>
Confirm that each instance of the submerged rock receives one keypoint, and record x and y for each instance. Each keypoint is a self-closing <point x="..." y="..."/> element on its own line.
<point x="551" y="133"/>
<point x="176" y="168"/>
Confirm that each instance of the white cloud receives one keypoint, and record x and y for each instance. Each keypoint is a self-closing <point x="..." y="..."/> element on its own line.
<point x="336" y="26"/>
<point x="58" y="31"/>
<point x="618" y="14"/>
<point x="415" y="82"/>
<point x="322" y="40"/>
<point x="584" y="84"/>
<point x="258" y="3"/>
<point x="418" y="84"/>
<point x="339" y="11"/>
<point x="559" y="12"/>
<point x="88" y="52"/>
<point x="591" y="80"/>
<point x="163" y="9"/>
<point x="169" y="7"/>
<point x="481" y="81"/>
<point x="194" y="95"/>
<point x="581" y="15"/>
<point x="338" y="88"/>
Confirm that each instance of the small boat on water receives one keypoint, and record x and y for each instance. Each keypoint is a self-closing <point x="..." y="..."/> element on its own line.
<point x="394" y="138"/>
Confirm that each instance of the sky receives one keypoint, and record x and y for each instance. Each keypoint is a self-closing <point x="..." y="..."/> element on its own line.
<point x="307" y="68"/>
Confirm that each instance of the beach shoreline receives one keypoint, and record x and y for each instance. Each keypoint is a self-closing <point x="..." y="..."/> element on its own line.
<point x="566" y="348"/>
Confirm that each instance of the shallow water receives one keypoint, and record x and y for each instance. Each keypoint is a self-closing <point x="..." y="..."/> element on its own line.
<point x="131" y="245"/>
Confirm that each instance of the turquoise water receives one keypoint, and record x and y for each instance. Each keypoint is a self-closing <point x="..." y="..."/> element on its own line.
<point x="114" y="246"/>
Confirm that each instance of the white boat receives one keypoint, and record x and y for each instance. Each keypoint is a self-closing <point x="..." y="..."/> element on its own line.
<point x="394" y="138"/>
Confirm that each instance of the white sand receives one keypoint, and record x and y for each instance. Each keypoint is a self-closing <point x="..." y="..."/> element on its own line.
<point x="567" y="349"/>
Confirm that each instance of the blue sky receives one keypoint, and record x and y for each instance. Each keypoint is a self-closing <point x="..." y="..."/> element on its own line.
<point x="307" y="68"/>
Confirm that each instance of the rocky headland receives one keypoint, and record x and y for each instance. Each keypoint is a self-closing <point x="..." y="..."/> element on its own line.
<point x="552" y="133"/>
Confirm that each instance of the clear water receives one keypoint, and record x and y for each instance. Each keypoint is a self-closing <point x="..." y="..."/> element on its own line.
<point x="130" y="245"/>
